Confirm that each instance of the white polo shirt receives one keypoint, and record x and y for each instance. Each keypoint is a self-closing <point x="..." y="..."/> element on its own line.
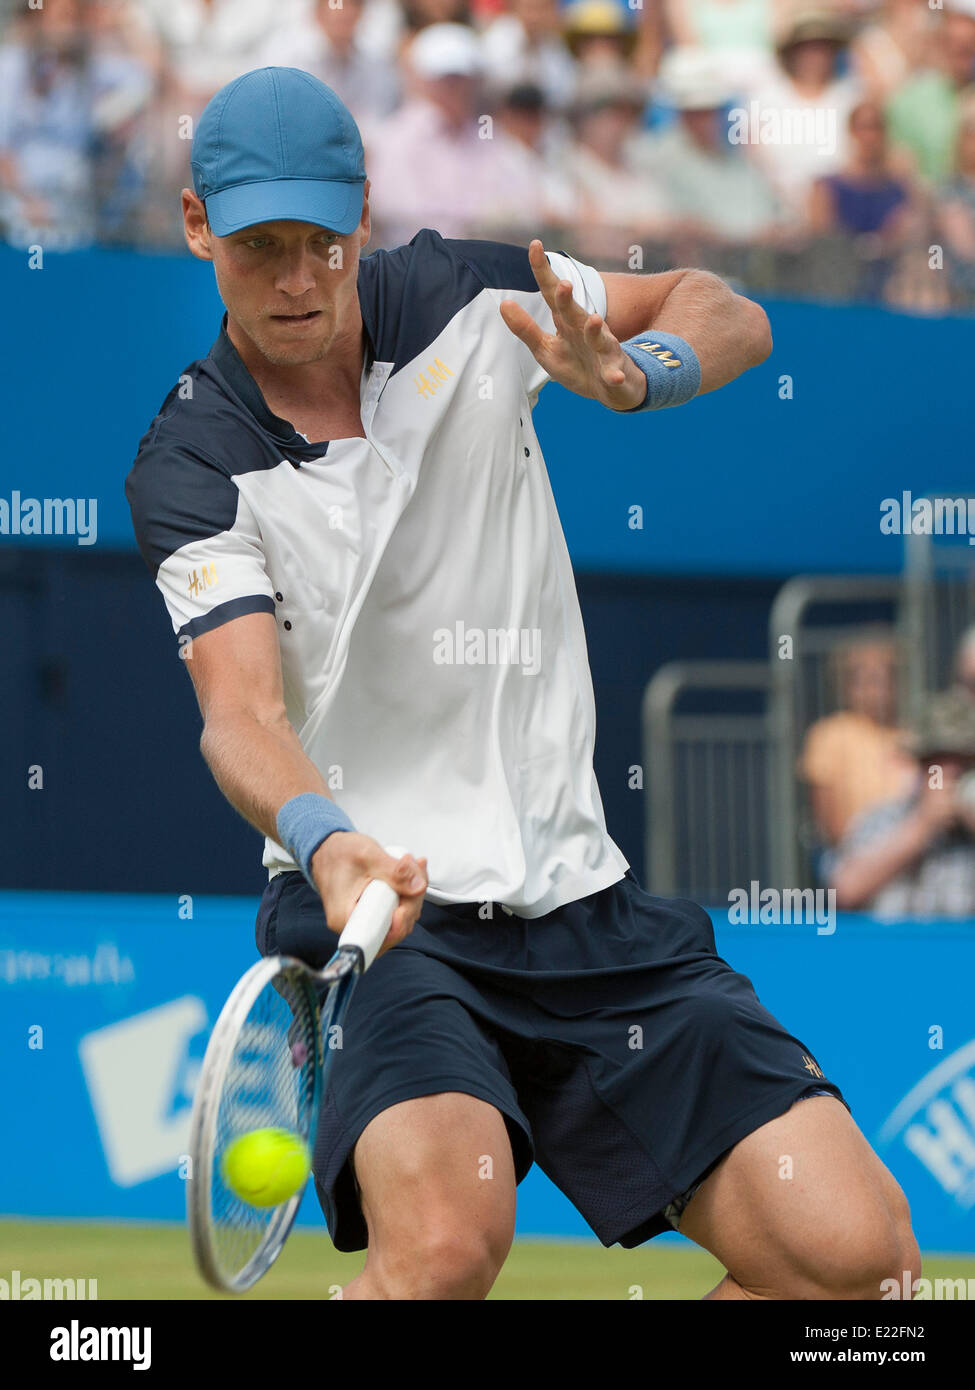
<point x="434" y="658"/>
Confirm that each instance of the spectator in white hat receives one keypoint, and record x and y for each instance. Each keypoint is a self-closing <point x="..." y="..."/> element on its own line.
<point x="714" y="191"/>
<point x="444" y="161"/>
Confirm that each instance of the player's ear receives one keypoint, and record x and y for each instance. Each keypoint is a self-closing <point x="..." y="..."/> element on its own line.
<point x="196" y="226"/>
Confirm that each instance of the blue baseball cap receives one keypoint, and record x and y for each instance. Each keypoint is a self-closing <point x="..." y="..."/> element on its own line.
<point x="276" y="144"/>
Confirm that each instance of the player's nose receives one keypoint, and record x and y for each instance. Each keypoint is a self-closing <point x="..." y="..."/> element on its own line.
<point x="295" y="273"/>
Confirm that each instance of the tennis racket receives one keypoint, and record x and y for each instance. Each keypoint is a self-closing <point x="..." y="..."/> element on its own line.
<point x="265" y="1067"/>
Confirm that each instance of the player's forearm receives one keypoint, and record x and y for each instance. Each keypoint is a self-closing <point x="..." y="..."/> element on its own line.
<point x="729" y="333"/>
<point x="258" y="765"/>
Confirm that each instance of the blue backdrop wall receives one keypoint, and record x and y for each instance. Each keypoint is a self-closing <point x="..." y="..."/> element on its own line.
<point x="742" y="487"/>
<point x="745" y="480"/>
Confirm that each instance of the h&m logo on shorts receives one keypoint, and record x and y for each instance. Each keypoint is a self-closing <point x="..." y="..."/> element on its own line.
<point x="663" y="354"/>
<point x="812" y="1067"/>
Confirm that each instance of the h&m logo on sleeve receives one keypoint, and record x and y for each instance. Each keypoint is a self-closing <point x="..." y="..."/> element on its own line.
<point x="663" y="354"/>
<point x="77" y="1343"/>
<point x="198" y="582"/>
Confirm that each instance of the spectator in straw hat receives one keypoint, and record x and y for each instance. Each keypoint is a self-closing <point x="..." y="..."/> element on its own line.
<point x="599" y="31"/>
<point x="796" y="123"/>
<point x="915" y="856"/>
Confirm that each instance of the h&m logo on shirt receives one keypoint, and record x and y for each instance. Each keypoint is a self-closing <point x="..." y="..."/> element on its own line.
<point x="439" y="372"/>
<point x="207" y="579"/>
<point x="663" y="354"/>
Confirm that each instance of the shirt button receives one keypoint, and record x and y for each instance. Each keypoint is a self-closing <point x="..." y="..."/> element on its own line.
<point x="287" y="627"/>
<point x="279" y="597"/>
<point x="527" y="452"/>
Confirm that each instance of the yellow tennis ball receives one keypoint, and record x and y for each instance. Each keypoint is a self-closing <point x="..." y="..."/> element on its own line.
<point x="266" y="1167"/>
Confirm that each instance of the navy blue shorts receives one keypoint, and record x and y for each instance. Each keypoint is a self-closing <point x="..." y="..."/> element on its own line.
<point x="625" y="1055"/>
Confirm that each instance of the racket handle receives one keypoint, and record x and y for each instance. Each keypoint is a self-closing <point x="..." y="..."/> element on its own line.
<point x="367" y="926"/>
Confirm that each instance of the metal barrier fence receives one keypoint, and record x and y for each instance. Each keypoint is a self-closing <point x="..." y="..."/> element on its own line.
<point x="708" y="780"/>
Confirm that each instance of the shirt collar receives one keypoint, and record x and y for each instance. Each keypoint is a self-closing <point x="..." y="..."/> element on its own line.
<point x="231" y="366"/>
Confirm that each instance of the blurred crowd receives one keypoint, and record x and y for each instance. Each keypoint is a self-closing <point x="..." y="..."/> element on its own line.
<point x="827" y="150"/>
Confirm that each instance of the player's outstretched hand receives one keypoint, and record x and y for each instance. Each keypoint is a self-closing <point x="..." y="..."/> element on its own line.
<point x="343" y="865"/>
<point x="582" y="354"/>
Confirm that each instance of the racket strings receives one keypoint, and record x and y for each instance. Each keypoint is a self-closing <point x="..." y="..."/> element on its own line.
<point x="270" y="1084"/>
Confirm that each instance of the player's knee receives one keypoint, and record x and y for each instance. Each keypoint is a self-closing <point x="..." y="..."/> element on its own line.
<point x="445" y="1260"/>
<point x="858" y="1261"/>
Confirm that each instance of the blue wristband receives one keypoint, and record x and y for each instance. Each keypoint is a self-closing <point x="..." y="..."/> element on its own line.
<point x="304" y="823"/>
<point x="670" y="366"/>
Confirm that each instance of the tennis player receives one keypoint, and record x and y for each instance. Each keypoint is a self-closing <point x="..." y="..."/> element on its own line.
<point x="346" y="509"/>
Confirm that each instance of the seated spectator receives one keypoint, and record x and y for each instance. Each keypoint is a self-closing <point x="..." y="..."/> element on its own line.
<point x="525" y="45"/>
<point x="210" y="42"/>
<point x="914" y="856"/>
<point x="536" y="138"/>
<point x="802" y="111"/>
<point x="599" y="31"/>
<point x="713" y="190"/>
<point x="619" y="202"/>
<point x="326" y="43"/>
<point x="431" y="166"/>
<point x="866" y="197"/>
<point x="870" y="201"/>
<point x="852" y="760"/>
<point x="956" y="207"/>
<point x="205" y="44"/>
<point x="740" y="33"/>
<point x="389" y="26"/>
<point x="925" y="111"/>
<point x="67" y="106"/>
<point x="127" y="59"/>
<point x="895" y="43"/>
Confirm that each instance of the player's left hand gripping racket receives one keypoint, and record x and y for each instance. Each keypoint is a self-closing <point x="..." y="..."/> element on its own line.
<point x="265" y="1068"/>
